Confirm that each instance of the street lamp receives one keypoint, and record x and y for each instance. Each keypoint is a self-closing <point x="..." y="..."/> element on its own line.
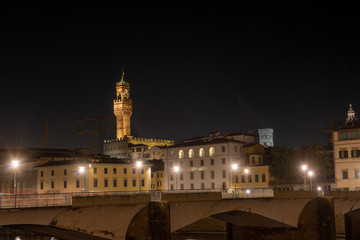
<point x="310" y="173"/>
<point x="304" y="169"/>
<point x="176" y="170"/>
<point x="234" y="167"/>
<point x="14" y="165"/>
<point x="246" y="171"/>
<point x="81" y="171"/>
<point x="138" y="165"/>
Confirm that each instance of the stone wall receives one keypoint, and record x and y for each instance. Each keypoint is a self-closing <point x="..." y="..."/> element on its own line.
<point x="108" y="200"/>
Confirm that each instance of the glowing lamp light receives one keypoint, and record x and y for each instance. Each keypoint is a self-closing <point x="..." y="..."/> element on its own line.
<point x="319" y="189"/>
<point x="15" y="163"/>
<point x="176" y="168"/>
<point x="234" y="166"/>
<point x="247" y="191"/>
<point x="81" y="169"/>
<point x="246" y="171"/>
<point x="138" y="164"/>
<point x="304" y="167"/>
<point x="310" y="173"/>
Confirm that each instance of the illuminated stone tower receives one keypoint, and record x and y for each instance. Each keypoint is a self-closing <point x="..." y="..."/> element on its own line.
<point x="122" y="108"/>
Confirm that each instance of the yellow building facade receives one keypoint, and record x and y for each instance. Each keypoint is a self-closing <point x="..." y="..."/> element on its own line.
<point x="71" y="177"/>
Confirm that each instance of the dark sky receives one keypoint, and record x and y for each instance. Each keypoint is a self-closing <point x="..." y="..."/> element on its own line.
<point x="191" y="70"/>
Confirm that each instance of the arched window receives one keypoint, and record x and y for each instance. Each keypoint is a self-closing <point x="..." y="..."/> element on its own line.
<point x="212" y="151"/>
<point x="181" y="154"/>
<point x="202" y="152"/>
<point x="191" y="153"/>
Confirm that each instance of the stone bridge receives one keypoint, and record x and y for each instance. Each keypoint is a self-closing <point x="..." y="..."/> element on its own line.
<point x="136" y="217"/>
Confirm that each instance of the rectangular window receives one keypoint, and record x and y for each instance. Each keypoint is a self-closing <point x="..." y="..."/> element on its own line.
<point x="52" y="184"/>
<point x="133" y="170"/>
<point x="191" y="175"/>
<point x="95" y="182"/>
<point x="65" y="172"/>
<point x="202" y="185"/>
<point x="125" y="170"/>
<point x="41" y="185"/>
<point x="212" y="174"/>
<point x="236" y="179"/>
<point x="41" y="173"/>
<point x="243" y="178"/>
<point x="355" y="153"/>
<point x="223" y="161"/>
<point x="95" y="170"/>
<point x="77" y="183"/>
<point x="125" y="182"/>
<point x="249" y="178"/>
<point x="134" y="182"/>
<point x="224" y="173"/>
<point x="171" y="177"/>
<point x="201" y="162"/>
<point x="191" y="186"/>
<point x="142" y="182"/>
<point x="212" y="161"/>
<point x="263" y="177"/>
<point x="213" y="185"/>
<point x="191" y="163"/>
<point x="181" y="176"/>
<point x="159" y="183"/>
<point x="171" y="187"/>
<point x="343" y="154"/>
<point x="52" y="172"/>
<point x="106" y="182"/>
<point x="65" y="184"/>
<point x="114" y="182"/>
<point x="345" y="174"/>
<point x="105" y="171"/>
<point x="357" y="174"/>
<point x="142" y="171"/>
<point x="114" y="170"/>
<point x="222" y="148"/>
<point x="181" y="186"/>
<point x="256" y="177"/>
<point x="202" y="175"/>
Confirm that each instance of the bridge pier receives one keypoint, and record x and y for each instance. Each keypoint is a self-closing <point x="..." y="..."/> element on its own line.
<point x="151" y="223"/>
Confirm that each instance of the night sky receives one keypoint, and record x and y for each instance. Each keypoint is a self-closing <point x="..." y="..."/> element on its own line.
<point x="191" y="71"/>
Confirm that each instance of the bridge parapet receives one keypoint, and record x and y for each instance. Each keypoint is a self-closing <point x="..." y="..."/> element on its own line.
<point x="110" y="200"/>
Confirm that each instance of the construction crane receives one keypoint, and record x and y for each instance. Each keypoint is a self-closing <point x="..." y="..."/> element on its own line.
<point x="95" y="130"/>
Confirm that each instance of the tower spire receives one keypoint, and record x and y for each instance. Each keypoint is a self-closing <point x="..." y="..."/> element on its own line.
<point x="122" y="76"/>
<point x="351" y="114"/>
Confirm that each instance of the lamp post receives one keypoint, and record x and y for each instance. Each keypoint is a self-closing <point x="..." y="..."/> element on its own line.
<point x="304" y="169"/>
<point x="176" y="170"/>
<point x="138" y="165"/>
<point x="246" y="171"/>
<point x="234" y="167"/>
<point x="82" y="171"/>
<point x="14" y="165"/>
<point x="310" y="173"/>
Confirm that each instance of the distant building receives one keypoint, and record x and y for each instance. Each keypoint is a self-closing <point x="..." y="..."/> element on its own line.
<point x="29" y="158"/>
<point x="94" y="175"/>
<point x="207" y="163"/>
<point x="346" y="145"/>
<point x="266" y="137"/>
<point x="119" y="147"/>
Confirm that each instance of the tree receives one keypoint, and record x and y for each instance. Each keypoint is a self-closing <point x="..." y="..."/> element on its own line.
<point x="282" y="163"/>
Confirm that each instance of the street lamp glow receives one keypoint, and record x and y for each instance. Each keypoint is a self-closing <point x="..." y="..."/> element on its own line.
<point x="15" y="163"/>
<point x="176" y="168"/>
<point x="246" y="171"/>
<point x="81" y="169"/>
<point x="234" y="166"/>
<point x="319" y="189"/>
<point x="247" y="191"/>
<point x="304" y="167"/>
<point x="310" y="173"/>
<point x="138" y="164"/>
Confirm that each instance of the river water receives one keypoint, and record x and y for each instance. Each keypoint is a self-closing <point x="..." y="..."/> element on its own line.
<point x="182" y="236"/>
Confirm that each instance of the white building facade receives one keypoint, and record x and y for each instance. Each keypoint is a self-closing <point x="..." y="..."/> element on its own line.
<point x="346" y="145"/>
<point x="205" y="162"/>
